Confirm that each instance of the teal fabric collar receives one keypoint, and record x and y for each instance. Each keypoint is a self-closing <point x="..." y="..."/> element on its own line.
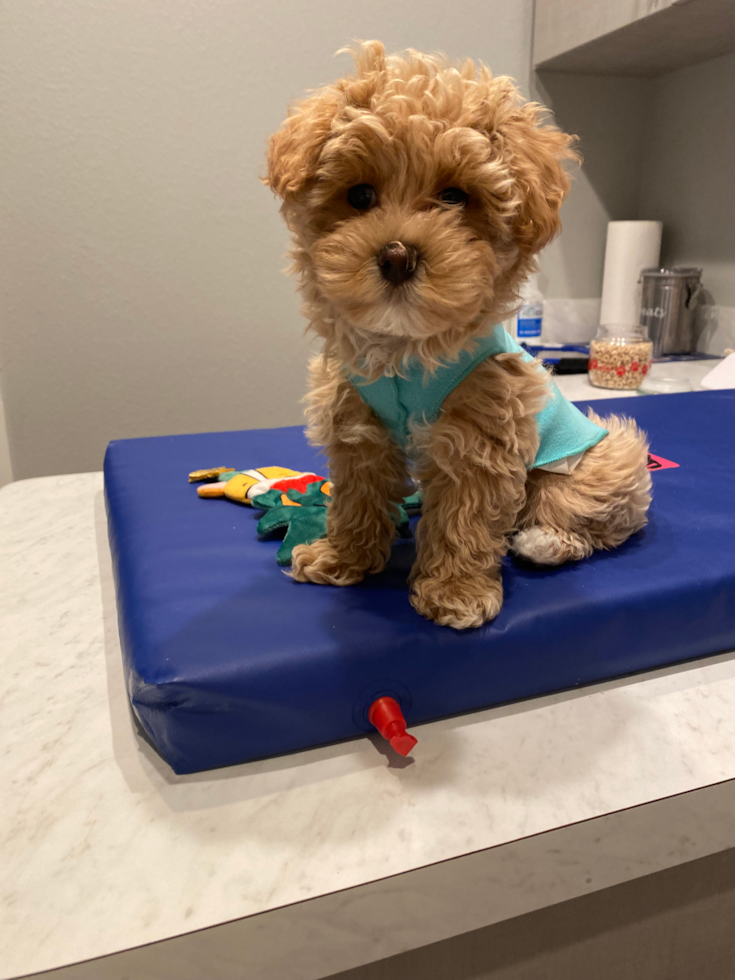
<point x="400" y="402"/>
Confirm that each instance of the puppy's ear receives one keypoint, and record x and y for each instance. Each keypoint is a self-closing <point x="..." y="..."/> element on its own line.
<point x="293" y="152"/>
<point x="535" y="152"/>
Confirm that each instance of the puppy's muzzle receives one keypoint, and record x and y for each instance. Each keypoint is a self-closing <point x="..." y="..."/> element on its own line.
<point x="397" y="262"/>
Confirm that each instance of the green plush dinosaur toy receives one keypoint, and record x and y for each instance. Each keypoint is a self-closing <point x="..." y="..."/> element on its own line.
<point x="295" y="503"/>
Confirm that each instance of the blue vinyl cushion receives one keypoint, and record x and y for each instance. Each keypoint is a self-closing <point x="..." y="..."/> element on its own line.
<point x="227" y="659"/>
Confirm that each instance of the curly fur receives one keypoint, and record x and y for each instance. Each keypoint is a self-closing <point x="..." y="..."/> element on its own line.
<point x="410" y="127"/>
<point x="597" y="506"/>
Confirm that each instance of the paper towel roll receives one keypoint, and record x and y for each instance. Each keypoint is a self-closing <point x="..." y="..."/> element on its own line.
<point x="631" y="246"/>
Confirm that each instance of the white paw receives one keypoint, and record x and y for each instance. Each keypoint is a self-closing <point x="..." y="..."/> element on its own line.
<point x="540" y="546"/>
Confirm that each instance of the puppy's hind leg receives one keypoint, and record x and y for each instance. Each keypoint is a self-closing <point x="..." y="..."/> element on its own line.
<point x="549" y="546"/>
<point x="597" y="506"/>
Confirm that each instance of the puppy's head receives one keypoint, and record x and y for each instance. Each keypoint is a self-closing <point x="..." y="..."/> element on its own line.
<point x="418" y="194"/>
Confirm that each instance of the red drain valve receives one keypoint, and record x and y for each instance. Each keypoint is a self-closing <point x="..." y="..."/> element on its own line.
<point x="386" y="715"/>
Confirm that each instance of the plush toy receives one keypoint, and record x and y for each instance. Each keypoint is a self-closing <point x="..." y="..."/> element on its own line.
<point x="242" y="485"/>
<point x="295" y="503"/>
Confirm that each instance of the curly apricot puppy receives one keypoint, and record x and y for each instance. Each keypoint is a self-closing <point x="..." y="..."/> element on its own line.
<point x="418" y="194"/>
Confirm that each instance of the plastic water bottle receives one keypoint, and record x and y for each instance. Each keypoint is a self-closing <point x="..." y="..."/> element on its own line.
<point x="529" y="320"/>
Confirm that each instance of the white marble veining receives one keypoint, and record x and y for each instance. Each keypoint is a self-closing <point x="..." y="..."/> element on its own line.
<point x="104" y="848"/>
<point x="344" y="929"/>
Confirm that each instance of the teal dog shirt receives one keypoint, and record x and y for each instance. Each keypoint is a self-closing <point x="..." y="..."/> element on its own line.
<point x="417" y="397"/>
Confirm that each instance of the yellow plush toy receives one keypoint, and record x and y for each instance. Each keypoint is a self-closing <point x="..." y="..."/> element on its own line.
<point x="295" y="501"/>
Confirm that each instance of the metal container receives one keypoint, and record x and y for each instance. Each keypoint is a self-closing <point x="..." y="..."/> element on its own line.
<point x="669" y="308"/>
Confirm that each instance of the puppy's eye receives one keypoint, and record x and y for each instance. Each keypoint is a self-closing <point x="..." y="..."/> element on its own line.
<point x="454" y="196"/>
<point x="362" y="197"/>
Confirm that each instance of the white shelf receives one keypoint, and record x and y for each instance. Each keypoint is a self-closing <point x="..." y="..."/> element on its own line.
<point x="630" y="37"/>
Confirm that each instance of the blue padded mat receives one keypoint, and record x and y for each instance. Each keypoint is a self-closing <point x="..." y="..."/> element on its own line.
<point x="227" y="659"/>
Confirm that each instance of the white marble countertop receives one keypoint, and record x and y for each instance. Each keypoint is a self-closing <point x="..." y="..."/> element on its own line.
<point x="578" y="388"/>
<point x="305" y="865"/>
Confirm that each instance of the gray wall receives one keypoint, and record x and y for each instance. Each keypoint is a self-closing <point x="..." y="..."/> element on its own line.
<point x="142" y="285"/>
<point x="142" y="259"/>
<point x="655" y="149"/>
<point x="608" y="114"/>
<point x="688" y="176"/>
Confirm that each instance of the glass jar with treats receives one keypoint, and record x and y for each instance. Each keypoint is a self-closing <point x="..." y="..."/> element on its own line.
<point x="620" y="356"/>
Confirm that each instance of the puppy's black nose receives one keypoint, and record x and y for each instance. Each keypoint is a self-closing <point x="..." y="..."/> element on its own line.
<point x="397" y="262"/>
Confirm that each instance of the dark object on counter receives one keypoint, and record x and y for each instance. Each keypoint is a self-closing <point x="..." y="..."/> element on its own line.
<point x="553" y="357"/>
<point x="669" y="308"/>
<point x="569" y="365"/>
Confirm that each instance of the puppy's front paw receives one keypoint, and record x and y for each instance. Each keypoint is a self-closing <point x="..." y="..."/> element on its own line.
<point x="320" y="563"/>
<point x="461" y="603"/>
